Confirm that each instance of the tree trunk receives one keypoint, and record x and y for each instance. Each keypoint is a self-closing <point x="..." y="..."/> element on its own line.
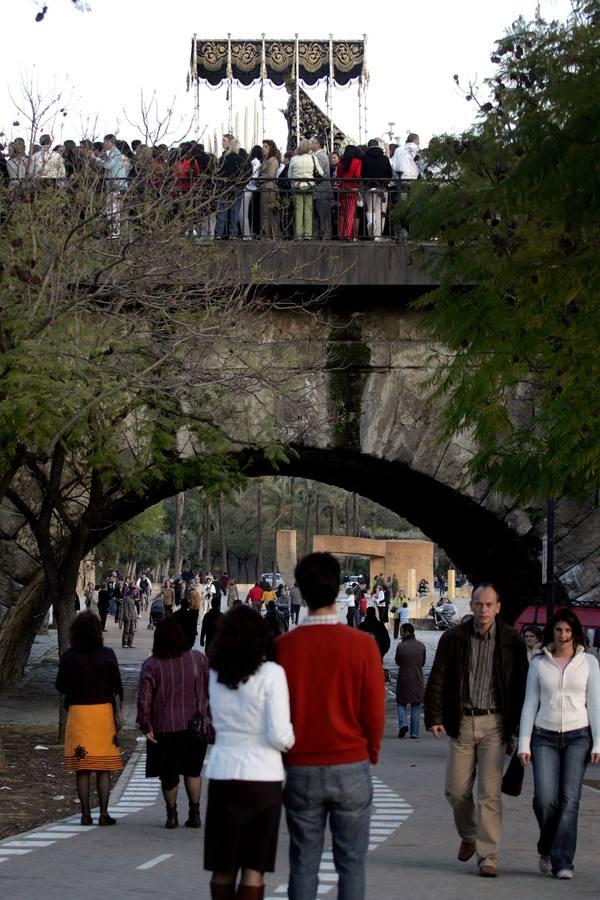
<point x="307" y="522"/>
<point x="222" y="534"/>
<point x="348" y="522"/>
<point x="331" y="516"/>
<point x="292" y="501"/>
<point x="20" y="626"/>
<point x="317" y="521"/>
<point x="355" y="515"/>
<point x="259" y="531"/>
<point x="179" y="507"/>
<point x="207" y="537"/>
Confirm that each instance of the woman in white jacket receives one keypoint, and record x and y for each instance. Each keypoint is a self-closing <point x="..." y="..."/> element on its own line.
<point x="250" y="708"/>
<point x="303" y="169"/>
<point x="560" y="733"/>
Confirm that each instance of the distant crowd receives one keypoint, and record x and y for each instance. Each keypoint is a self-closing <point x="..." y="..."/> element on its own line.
<point x="304" y="194"/>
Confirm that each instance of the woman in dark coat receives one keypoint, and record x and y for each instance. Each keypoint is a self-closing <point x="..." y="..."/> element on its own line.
<point x="410" y="687"/>
<point x="88" y="676"/>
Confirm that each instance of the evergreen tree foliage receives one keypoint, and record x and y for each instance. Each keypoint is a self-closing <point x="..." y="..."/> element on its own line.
<point x="515" y="205"/>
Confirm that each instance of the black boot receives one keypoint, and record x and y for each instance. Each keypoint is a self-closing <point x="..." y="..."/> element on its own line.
<point x="172" y="820"/>
<point x="193" y="819"/>
<point x="222" y="891"/>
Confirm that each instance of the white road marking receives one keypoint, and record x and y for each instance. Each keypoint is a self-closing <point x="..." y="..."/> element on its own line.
<point x="155" y="862"/>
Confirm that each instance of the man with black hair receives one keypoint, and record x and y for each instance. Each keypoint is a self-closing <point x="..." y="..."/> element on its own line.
<point x="336" y="690"/>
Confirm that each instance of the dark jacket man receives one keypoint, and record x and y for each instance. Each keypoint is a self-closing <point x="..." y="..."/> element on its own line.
<point x="375" y="165"/>
<point x="448" y="682"/>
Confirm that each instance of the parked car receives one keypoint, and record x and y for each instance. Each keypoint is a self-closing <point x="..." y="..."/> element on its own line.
<point x="268" y="576"/>
<point x="353" y="579"/>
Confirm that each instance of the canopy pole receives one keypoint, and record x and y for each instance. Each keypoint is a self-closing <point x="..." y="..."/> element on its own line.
<point x="297" y="93"/>
<point x="229" y="86"/>
<point x="263" y="75"/>
<point x="365" y="77"/>
<point x="360" y="110"/>
<point x="330" y="94"/>
<point x="196" y="83"/>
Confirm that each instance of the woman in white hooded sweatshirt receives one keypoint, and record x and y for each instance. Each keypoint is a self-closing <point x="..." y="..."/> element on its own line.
<point x="560" y="733"/>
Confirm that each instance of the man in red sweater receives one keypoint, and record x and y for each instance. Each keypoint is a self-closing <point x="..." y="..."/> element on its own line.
<point x="336" y="686"/>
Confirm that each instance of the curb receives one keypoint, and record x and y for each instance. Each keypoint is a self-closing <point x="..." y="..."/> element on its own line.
<point x="123" y="780"/>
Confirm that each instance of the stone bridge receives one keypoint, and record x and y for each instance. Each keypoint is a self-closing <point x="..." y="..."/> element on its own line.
<point x="355" y="414"/>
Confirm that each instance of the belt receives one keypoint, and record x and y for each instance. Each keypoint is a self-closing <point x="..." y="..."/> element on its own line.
<point x="479" y="712"/>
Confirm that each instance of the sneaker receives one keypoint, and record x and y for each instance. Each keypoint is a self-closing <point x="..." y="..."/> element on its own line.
<point x="545" y="865"/>
<point x="565" y="874"/>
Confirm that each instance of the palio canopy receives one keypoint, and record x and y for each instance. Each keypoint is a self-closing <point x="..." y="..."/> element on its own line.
<point x="215" y="61"/>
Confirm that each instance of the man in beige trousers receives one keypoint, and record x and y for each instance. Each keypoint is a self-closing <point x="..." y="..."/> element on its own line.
<point x="474" y="695"/>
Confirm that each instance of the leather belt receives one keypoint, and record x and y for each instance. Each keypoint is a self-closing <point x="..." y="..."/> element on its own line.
<point x="479" y="712"/>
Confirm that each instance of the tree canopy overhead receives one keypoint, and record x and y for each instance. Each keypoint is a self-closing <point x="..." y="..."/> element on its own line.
<point x="516" y="202"/>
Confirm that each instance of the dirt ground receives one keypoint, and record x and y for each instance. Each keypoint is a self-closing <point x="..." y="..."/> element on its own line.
<point x="35" y="789"/>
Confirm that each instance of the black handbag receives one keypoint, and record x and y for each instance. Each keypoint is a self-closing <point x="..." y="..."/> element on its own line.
<point x="201" y="728"/>
<point x="512" y="782"/>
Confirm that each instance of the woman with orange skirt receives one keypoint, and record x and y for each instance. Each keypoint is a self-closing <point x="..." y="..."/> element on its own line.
<point x="89" y="677"/>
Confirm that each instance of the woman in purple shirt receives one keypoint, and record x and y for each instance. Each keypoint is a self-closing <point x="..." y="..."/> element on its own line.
<point x="173" y="687"/>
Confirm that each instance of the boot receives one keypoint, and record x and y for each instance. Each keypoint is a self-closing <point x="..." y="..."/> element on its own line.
<point x="172" y="820"/>
<point x="246" y="892"/>
<point x="222" y="891"/>
<point x="193" y="819"/>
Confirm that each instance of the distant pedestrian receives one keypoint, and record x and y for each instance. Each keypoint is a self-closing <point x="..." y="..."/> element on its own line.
<point x="255" y="597"/>
<point x="295" y="603"/>
<point x="560" y="735"/>
<point x="373" y="626"/>
<point x="233" y="595"/>
<point x="410" y="686"/>
<point x="129" y="615"/>
<point x="173" y="688"/>
<point x="532" y="635"/>
<point x="251" y="714"/>
<point x="89" y="677"/>
<point x="474" y="695"/>
<point x="209" y="624"/>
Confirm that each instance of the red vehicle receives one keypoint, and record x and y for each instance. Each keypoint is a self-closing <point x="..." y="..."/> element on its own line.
<point x="589" y="616"/>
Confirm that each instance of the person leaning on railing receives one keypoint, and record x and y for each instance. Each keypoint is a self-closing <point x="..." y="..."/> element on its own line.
<point x="376" y="173"/>
<point x="269" y="226"/>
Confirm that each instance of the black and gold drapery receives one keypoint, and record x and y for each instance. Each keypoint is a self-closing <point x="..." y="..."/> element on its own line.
<point x="209" y="60"/>
<point x="312" y="121"/>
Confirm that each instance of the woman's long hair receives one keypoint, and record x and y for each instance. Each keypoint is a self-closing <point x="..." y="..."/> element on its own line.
<point x="350" y="153"/>
<point x="242" y="642"/>
<point x="569" y="618"/>
<point x="86" y="632"/>
<point x="273" y="151"/>
<point x="257" y="153"/>
<point x="169" y="639"/>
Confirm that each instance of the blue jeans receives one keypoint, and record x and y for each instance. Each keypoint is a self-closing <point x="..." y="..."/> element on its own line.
<point x="228" y="214"/>
<point x="415" y="717"/>
<point x="559" y="761"/>
<point x="311" y="794"/>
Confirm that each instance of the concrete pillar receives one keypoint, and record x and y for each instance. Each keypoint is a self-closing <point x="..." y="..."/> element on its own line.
<point x="411" y="583"/>
<point x="286" y="554"/>
<point x="451" y="584"/>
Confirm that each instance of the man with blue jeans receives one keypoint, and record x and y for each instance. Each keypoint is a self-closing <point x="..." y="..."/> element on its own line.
<point x="230" y="189"/>
<point x="336" y="686"/>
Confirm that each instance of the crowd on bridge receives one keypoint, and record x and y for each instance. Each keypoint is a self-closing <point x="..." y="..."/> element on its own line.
<point x="296" y="717"/>
<point x="303" y="194"/>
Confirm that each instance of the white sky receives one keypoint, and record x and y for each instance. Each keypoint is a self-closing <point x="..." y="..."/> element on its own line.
<point x="103" y="58"/>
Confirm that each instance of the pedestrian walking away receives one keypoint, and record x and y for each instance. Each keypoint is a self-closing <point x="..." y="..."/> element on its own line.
<point x="251" y="713"/>
<point x="172" y="691"/>
<point x="338" y="718"/>
<point x="88" y="676"/>
<point x="474" y="695"/>
<point x="410" y="686"/>
<point x="560" y="735"/>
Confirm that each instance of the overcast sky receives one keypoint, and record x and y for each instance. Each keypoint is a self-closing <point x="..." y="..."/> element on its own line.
<point x="103" y="58"/>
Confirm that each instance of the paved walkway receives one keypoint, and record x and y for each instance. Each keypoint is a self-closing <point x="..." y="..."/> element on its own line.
<point x="412" y="851"/>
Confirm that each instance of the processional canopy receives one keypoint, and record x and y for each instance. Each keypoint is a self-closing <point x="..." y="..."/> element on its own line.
<point x="248" y="61"/>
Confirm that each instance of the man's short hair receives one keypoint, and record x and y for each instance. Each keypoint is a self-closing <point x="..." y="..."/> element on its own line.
<point x="110" y="137"/>
<point x="318" y="577"/>
<point x="374" y="142"/>
<point x="481" y="586"/>
<point x="407" y="628"/>
<point x="45" y="140"/>
<point x="319" y="139"/>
